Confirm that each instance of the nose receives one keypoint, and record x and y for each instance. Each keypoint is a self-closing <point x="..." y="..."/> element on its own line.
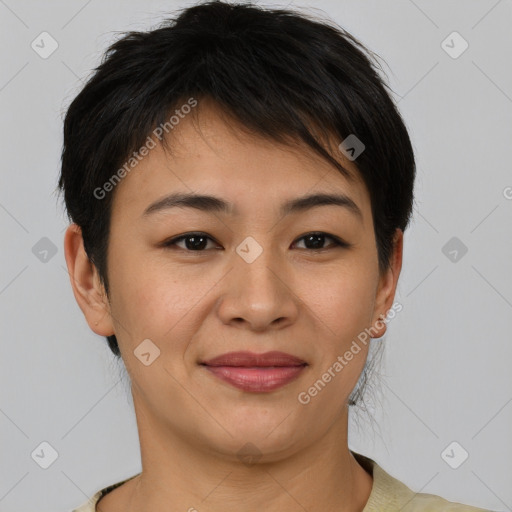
<point x="259" y="295"/>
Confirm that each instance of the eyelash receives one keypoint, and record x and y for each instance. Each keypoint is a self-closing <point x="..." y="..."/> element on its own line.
<point x="338" y="242"/>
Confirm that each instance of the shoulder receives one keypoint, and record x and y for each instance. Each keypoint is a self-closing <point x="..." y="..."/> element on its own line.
<point x="90" y="504"/>
<point x="390" y="494"/>
<point x="429" y="503"/>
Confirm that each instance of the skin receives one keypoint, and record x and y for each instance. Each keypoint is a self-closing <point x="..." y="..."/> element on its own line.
<point x="195" y="305"/>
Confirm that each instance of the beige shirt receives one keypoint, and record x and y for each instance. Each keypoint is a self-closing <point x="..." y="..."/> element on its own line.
<point x="388" y="495"/>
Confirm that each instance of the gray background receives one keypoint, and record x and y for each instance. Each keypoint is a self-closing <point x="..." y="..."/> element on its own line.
<point x="446" y="371"/>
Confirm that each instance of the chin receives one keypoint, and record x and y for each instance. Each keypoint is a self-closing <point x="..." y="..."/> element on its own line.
<point x="266" y="432"/>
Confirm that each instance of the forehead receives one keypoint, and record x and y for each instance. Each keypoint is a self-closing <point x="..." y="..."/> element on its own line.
<point x="211" y="153"/>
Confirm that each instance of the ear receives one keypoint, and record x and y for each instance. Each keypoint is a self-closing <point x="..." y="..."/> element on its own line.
<point x="89" y="292"/>
<point x="387" y="286"/>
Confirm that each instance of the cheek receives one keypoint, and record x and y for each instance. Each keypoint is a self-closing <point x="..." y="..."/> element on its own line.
<point x="342" y="311"/>
<point x="344" y="305"/>
<point x="159" y="304"/>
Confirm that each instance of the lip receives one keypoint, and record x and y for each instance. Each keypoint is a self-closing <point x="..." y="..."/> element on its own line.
<point x="257" y="373"/>
<point x="251" y="359"/>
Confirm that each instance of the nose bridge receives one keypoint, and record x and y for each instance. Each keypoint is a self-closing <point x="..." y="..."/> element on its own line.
<point x="259" y="265"/>
<point x="257" y="292"/>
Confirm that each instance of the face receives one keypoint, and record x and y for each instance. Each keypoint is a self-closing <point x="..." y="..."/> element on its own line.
<point x="199" y="282"/>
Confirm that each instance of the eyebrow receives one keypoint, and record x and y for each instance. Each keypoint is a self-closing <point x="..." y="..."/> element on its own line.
<point x="208" y="203"/>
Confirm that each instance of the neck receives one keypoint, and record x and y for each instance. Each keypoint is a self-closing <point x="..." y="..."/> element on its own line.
<point x="179" y="472"/>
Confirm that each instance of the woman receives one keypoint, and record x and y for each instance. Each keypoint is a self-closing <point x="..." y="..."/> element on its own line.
<point x="239" y="182"/>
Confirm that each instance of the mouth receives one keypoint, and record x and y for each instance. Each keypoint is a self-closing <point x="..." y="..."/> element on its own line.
<point x="257" y="373"/>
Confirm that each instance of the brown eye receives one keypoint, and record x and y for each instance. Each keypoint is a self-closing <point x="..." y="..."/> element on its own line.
<point x="198" y="242"/>
<point x="193" y="241"/>
<point x="315" y="241"/>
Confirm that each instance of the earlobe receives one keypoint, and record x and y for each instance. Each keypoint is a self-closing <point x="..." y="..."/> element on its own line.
<point x="85" y="283"/>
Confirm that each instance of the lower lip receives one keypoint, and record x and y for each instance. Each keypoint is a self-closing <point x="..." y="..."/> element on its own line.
<point x="256" y="379"/>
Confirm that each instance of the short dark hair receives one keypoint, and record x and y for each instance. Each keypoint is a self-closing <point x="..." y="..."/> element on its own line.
<point x="280" y="73"/>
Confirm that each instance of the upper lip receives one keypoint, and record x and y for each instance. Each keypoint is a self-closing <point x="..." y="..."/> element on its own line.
<point x="248" y="359"/>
